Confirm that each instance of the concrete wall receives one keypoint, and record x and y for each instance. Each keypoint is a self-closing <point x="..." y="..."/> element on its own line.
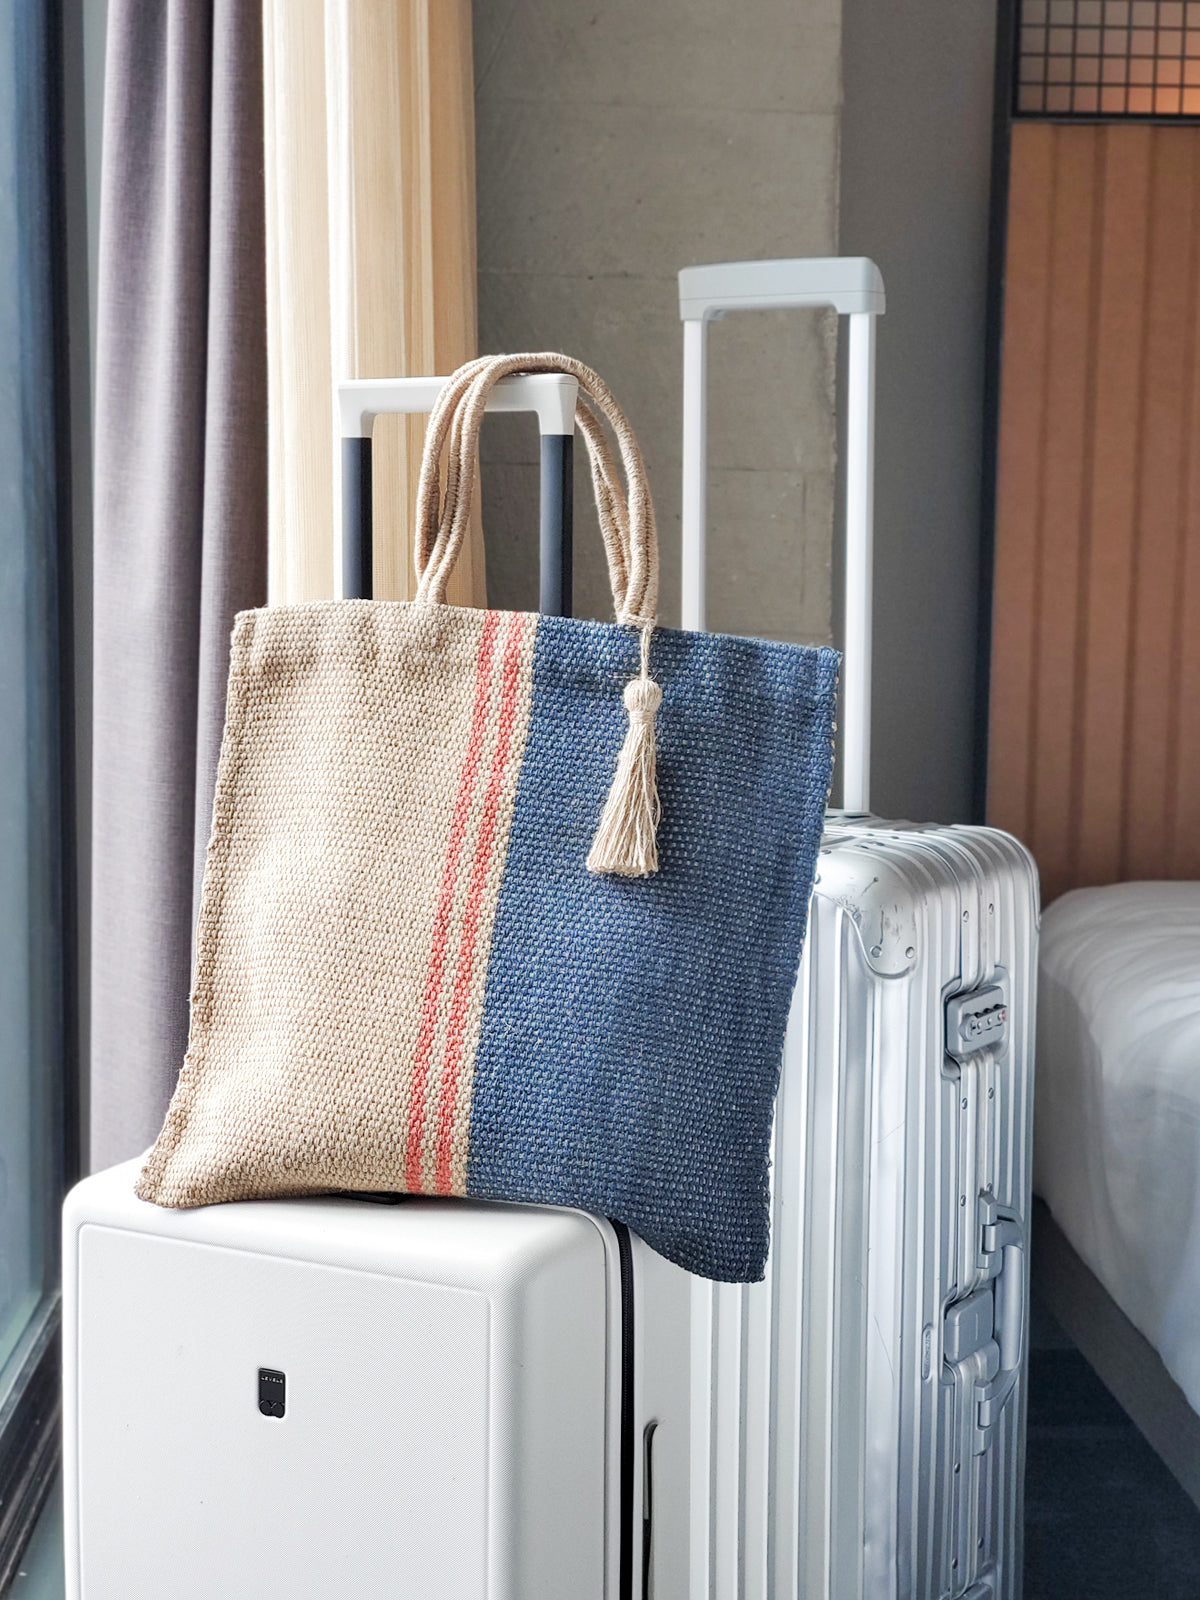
<point x="617" y="142"/>
<point x="915" y="183"/>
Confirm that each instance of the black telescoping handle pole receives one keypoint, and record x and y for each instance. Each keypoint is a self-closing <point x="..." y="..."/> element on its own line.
<point x="556" y="522"/>
<point x="358" y="578"/>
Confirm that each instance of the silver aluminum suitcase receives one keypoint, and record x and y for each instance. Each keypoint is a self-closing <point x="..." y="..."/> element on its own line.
<point x="857" y="1420"/>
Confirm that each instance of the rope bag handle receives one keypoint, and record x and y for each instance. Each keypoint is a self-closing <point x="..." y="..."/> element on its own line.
<point x="626" y="840"/>
<point x="626" y="520"/>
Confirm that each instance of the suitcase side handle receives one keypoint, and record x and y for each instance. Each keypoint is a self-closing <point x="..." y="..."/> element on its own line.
<point x="550" y="396"/>
<point x="1010" y="1294"/>
<point x="853" y="287"/>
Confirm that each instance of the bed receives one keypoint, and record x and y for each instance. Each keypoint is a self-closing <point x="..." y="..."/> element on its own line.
<point x="1117" y="1147"/>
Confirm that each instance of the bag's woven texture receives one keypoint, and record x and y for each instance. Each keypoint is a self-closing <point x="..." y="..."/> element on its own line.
<point x="408" y="979"/>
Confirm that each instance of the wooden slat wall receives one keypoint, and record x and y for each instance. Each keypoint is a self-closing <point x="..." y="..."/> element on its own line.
<point x="1095" y="720"/>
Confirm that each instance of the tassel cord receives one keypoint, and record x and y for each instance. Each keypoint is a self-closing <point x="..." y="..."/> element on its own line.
<point x="626" y="842"/>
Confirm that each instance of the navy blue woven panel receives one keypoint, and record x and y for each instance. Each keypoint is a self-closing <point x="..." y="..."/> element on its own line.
<point x="633" y="1029"/>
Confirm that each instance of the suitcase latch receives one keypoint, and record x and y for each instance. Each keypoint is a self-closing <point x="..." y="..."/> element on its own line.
<point x="999" y="1227"/>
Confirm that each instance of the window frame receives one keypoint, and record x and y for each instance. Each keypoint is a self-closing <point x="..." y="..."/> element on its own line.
<point x="30" y="1409"/>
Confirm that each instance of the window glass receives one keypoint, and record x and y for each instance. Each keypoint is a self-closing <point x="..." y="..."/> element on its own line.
<point x="30" y="903"/>
<point x="1135" y="49"/>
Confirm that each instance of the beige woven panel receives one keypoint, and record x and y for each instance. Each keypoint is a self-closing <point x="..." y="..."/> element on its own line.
<point x="370" y="761"/>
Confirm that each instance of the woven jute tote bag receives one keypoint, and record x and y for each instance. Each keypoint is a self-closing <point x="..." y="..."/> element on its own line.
<point x="505" y="905"/>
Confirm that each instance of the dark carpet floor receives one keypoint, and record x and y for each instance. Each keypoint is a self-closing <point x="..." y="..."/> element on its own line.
<point x="1104" y="1519"/>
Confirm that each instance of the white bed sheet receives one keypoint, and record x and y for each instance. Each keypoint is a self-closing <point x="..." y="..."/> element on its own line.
<point x="1117" y="1118"/>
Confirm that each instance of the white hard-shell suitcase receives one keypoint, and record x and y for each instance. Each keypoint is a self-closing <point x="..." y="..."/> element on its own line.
<point x="316" y="1398"/>
<point x="857" y="1428"/>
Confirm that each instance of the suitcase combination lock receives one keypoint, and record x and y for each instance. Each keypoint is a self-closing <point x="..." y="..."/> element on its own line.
<point x="977" y="1021"/>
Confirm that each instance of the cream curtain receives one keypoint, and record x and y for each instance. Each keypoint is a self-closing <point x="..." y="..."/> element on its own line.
<point x="370" y="185"/>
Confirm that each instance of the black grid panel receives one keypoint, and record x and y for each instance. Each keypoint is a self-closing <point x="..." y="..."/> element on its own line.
<point x="1108" y="58"/>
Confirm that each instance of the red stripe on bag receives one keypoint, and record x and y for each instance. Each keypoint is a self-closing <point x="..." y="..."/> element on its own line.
<point x="445" y="902"/>
<point x="483" y="859"/>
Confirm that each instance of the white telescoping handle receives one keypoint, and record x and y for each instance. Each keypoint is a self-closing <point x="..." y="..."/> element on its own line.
<point x="852" y="286"/>
<point x="550" y="395"/>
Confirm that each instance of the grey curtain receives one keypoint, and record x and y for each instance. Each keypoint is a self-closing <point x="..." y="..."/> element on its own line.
<point x="181" y="510"/>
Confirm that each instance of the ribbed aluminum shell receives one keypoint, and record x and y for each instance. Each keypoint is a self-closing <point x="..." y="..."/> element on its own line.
<point x="836" y="1454"/>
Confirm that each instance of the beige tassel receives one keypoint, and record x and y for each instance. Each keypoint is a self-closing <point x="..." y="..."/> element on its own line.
<point x="626" y="841"/>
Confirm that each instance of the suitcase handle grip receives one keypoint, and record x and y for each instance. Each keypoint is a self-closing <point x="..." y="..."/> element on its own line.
<point x="551" y="396"/>
<point x="848" y="284"/>
<point x="1010" y="1306"/>
<point x="1009" y="1334"/>
<point x="853" y="287"/>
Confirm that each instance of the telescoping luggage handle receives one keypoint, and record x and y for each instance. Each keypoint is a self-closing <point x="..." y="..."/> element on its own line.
<point x="551" y="396"/>
<point x="853" y="287"/>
